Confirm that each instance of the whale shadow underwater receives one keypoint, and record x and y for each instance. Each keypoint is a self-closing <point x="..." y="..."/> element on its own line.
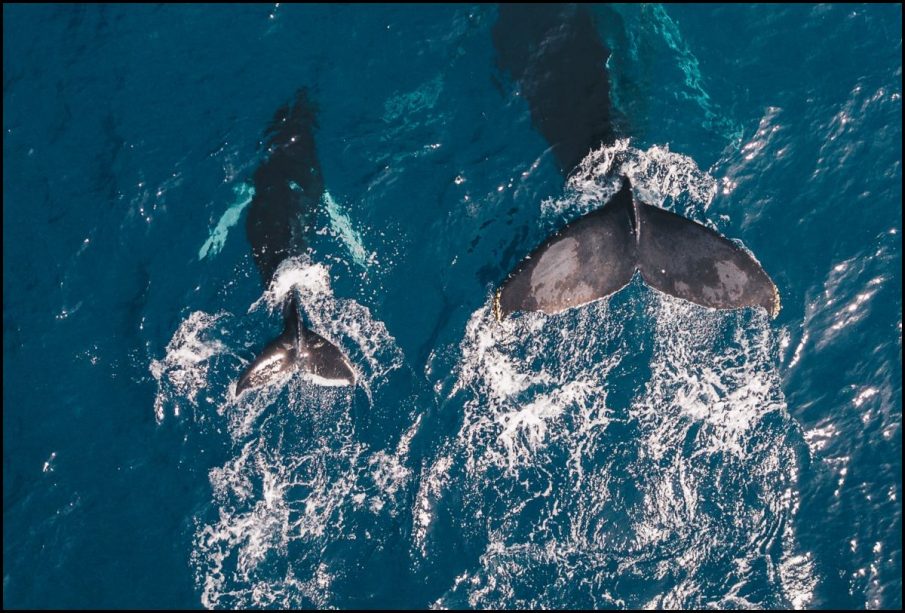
<point x="556" y="57"/>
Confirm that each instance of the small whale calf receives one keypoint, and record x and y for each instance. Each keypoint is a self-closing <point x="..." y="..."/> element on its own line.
<point x="289" y="190"/>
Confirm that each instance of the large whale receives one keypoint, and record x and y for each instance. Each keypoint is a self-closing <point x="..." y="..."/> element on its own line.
<point x="557" y="59"/>
<point x="288" y="191"/>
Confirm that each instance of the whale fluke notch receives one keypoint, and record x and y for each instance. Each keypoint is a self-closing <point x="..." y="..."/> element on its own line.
<point x="297" y="349"/>
<point x="598" y="253"/>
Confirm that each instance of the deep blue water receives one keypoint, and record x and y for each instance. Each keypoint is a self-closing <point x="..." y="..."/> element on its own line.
<point x="639" y="451"/>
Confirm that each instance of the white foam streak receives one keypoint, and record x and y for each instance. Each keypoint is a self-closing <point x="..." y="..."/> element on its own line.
<point x="183" y="372"/>
<point x="295" y="487"/>
<point x="659" y="177"/>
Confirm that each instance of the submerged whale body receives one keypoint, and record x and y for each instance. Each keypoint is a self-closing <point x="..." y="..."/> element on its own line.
<point x="288" y="191"/>
<point x="554" y="54"/>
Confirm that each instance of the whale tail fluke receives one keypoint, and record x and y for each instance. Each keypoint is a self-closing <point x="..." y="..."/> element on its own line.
<point x="297" y="349"/>
<point x="590" y="258"/>
<point x="682" y="258"/>
<point x="598" y="253"/>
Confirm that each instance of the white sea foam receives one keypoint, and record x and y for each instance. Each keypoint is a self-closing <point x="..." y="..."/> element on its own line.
<point x="275" y="493"/>
<point x="659" y="176"/>
<point x="183" y="372"/>
<point x="300" y="483"/>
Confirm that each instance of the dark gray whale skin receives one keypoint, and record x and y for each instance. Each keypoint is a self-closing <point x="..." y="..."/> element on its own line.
<point x="554" y="54"/>
<point x="597" y="255"/>
<point x="288" y="191"/>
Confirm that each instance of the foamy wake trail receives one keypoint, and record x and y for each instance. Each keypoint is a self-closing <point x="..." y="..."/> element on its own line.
<point x="722" y="469"/>
<point x="300" y="483"/>
<point x="300" y="509"/>
<point x="635" y="452"/>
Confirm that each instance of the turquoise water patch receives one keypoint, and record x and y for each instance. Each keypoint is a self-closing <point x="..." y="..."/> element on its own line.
<point x="343" y="229"/>
<point x="423" y="98"/>
<point x="688" y="63"/>
<point x="214" y="243"/>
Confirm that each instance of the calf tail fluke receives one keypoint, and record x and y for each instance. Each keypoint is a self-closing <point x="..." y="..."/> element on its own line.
<point x="297" y="349"/>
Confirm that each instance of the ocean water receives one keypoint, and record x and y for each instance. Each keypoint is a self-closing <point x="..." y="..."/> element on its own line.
<point x="639" y="451"/>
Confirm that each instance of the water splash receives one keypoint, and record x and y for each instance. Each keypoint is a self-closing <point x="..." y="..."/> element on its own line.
<point x="300" y="485"/>
<point x="183" y="372"/>
<point x="659" y="177"/>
